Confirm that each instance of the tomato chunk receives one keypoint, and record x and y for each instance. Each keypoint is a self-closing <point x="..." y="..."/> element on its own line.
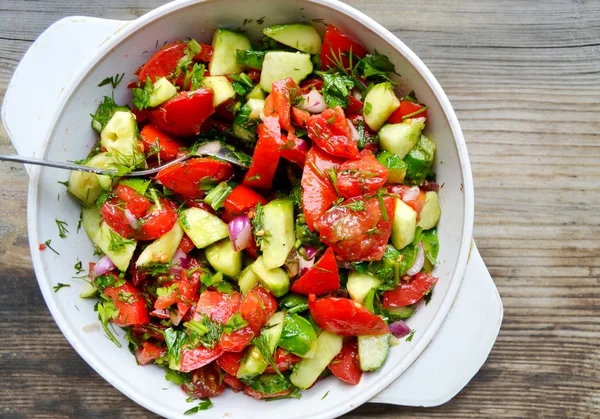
<point x="345" y="317"/>
<point x="321" y="279"/>
<point x="338" y="45"/>
<point x="230" y="362"/>
<point x="186" y="244"/>
<point x="354" y="106"/>
<point x="257" y="308"/>
<point x="363" y="176"/>
<point x="218" y="306"/>
<point x="205" y="383"/>
<point x="300" y="116"/>
<point x="409" y="292"/>
<point x="205" y="53"/>
<point x="242" y="199"/>
<point x="131" y="305"/>
<point x="345" y="365"/>
<point x="311" y="84"/>
<point x="318" y="193"/>
<point x="330" y="131"/>
<point x="191" y="177"/>
<point x="237" y="341"/>
<point x="282" y="93"/>
<point x="192" y="359"/>
<point x="148" y="352"/>
<point x="294" y="149"/>
<point x="156" y="141"/>
<point x="407" y="108"/>
<point x="284" y="360"/>
<point x="266" y="155"/>
<point x="358" y="229"/>
<point x="184" y="114"/>
<point x="233" y="382"/>
<point x="163" y="63"/>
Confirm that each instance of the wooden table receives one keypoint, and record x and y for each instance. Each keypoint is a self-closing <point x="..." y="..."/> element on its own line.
<point x="524" y="79"/>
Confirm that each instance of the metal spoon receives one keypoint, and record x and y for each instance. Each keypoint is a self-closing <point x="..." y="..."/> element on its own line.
<point x="213" y="148"/>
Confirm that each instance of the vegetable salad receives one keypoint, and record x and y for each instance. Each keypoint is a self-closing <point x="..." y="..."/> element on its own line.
<point x="268" y="278"/>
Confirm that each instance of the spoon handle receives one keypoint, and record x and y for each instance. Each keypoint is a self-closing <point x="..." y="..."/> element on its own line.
<point x="59" y="165"/>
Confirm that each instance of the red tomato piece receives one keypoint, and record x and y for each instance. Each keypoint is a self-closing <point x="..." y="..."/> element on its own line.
<point x="254" y="75"/>
<point x="186" y="244"/>
<point x="354" y="106"/>
<point x="205" y="53"/>
<point x="192" y="359"/>
<point x="259" y="395"/>
<point x="213" y="123"/>
<point x="230" y="362"/>
<point x="336" y="44"/>
<point x="131" y="304"/>
<point x="233" y="382"/>
<point x="42" y="247"/>
<point x="184" y="114"/>
<point x="345" y="365"/>
<point x="282" y="93"/>
<point x="266" y="155"/>
<point x="226" y="110"/>
<point x="355" y="233"/>
<point x="158" y="221"/>
<point x="166" y="301"/>
<point x="318" y="193"/>
<point x="205" y="383"/>
<point x="315" y="83"/>
<point x="363" y="176"/>
<point x="406" y="108"/>
<point x="137" y="204"/>
<point x="300" y="116"/>
<point x="155" y="140"/>
<point x="237" y="341"/>
<point x="218" y="306"/>
<point x="257" y="308"/>
<point x="330" y="131"/>
<point x="140" y="115"/>
<point x="397" y="189"/>
<point x="242" y="199"/>
<point x="190" y="177"/>
<point x="284" y="360"/>
<point x="148" y="352"/>
<point x="321" y="279"/>
<point x="163" y="62"/>
<point x="345" y="317"/>
<point x="294" y="149"/>
<point x="409" y="292"/>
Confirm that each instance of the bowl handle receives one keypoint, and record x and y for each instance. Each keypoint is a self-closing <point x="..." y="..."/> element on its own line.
<point x="57" y="54"/>
<point x="460" y="348"/>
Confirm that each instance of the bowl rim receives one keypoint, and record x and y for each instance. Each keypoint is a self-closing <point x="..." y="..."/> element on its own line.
<point x="467" y="188"/>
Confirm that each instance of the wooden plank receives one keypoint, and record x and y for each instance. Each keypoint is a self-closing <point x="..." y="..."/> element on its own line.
<point x="524" y="78"/>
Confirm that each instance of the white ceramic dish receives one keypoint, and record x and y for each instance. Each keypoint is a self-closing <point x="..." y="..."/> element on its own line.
<point x="70" y="137"/>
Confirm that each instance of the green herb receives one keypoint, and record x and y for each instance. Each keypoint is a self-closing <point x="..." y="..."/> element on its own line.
<point x="261" y="20"/>
<point x="262" y="343"/>
<point x="107" y="280"/>
<point x="59" y="286"/>
<point x="156" y="268"/>
<point x="62" y="228"/>
<point x="176" y="377"/>
<point x="410" y="337"/>
<point x="141" y="96"/>
<point x="138" y="185"/>
<point x="255" y="177"/>
<point x="376" y="65"/>
<point x="242" y="84"/>
<point x="336" y="89"/>
<point x="204" y="405"/>
<point x="296" y="196"/>
<point x="79" y="223"/>
<point x="102" y="198"/>
<point x="47" y="243"/>
<point x="415" y="113"/>
<point x="258" y="225"/>
<point x="194" y="76"/>
<point x="333" y="176"/>
<point x="65" y="183"/>
<point x="293" y="395"/>
<point x="117" y="243"/>
<point x="250" y="58"/>
<point x="175" y="341"/>
<point x="357" y="205"/>
<point x="78" y="267"/>
<point x="303" y="233"/>
<point x="236" y="322"/>
<point x="166" y="291"/>
<point x="204" y="332"/>
<point x="368" y="107"/>
<point x="411" y="97"/>
<point x="113" y="80"/>
<point x="104" y="112"/>
<point x="217" y="196"/>
<point x="107" y="312"/>
<point x="431" y="245"/>
<point x="326" y="394"/>
<point x="384" y="213"/>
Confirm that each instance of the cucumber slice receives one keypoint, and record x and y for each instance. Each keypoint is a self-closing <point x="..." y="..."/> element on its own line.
<point x="256" y="93"/>
<point x="280" y="235"/>
<point x="431" y="212"/>
<point x="255" y="106"/>
<point x="117" y="248"/>
<point x="404" y="225"/>
<point x="396" y="167"/>
<point x="401" y="313"/>
<point x="162" y="90"/>
<point x="226" y="43"/>
<point x="298" y="335"/>
<point x="275" y="280"/>
<point x="87" y="187"/>
<point x="247" y="280"/>
<point x="401" y="138"/>
<point x="162" y="249"/>
<point x="243" y="133"/>
<point x="372" y="351"/>
<point x="253" y="362"/>
<point x="88" y="291"/>
<point x="119" y="138"/>
<point x="202" y="227"/>
<point x="224" y="259"/>
<point x="90" y="220"/>
<point x="279" y="65"/>
<point x="308" y="370"/>
<point x="247" y="118"/>
<point x="359" y="285"/>
<point x="380" y="103"/>
<point x="302" y="36"/>
<point x="222" y="89"/>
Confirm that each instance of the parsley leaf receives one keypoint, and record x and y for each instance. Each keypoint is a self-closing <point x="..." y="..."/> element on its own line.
<point x="107" y="312"/>
<point x="336" y="89"/>
<point x="204" y="405"/>
<point x="141" y="96"/>
<point x="138" y="185"/>
<point x="376" y="65"/>
<point x="59" y="286"/>
<point x="412" y="334"/>
<point x="242" y="84"/>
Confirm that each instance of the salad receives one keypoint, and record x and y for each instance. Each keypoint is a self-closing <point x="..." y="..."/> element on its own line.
<point x="267" y="278"/>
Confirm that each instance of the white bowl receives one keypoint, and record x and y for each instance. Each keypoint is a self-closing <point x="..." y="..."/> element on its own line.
<point x="71" y="138"/>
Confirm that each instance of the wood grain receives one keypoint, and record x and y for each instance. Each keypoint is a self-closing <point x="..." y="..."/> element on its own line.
<point x="524" y="78"/>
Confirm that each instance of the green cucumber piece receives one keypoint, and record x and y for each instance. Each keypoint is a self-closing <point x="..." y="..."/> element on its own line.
<point x="302" y="36"/>
<point x="226" y="43"/>
<point x="294" y="303"/>
<point x="380" y="103"/>
<point x="247" y="119"/>
<point x="400" y="313"/>
<point x="372" y="351"/>
<point x="308" y="370"/>
<point x="87" y="187"/>
<point x="298" y="335"/>
<point x="359" y="285"/>
<point x="222" y="89"/>
<point x="401" y="138"/>
<point x="275" y="280"/>
<point x="404" y="225"/>
<point x="224" y="259"/>
<point x="256" y="93"/>
<point x="247" y="280"/>
<point x="162" y="90"/>
<point x="279" y="65"/>
<point x="396" y="167"/>
<point x="431" y="212"/>
<point x="162" y="249"/>
<point x="253" y="362"/>
<point x="279" y="239"/>
<point x="120" y="139"/>
<point x="88" y="291"/>
<point x="202" y="227"/>
<point x="419" y="160"/>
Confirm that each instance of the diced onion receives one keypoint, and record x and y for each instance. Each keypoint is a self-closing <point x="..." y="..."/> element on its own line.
<point x="353" y="131"/>
<point x="103" y="266"/>
<point x="310" y="252"/>
<point x="313" y="102"/>
<point x="209" y="149"/>
<point x="175" y="318"/>
<point x="133" y="222"/>
<point x="305" y="265"/>
<point x="180" y="262"/>
<point x="419" y="262"/>
<point x="411" y="194"/>
<point x="399" y="329"/>
<point x="240" y="232"/>
<point x="356" y="94"/>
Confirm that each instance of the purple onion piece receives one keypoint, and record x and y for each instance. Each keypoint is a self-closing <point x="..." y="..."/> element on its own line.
<point x="399" y="329"/>
<point x="240" y="232"/>
<point x="419" y="262"/>
<point x="103" y="266"/>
